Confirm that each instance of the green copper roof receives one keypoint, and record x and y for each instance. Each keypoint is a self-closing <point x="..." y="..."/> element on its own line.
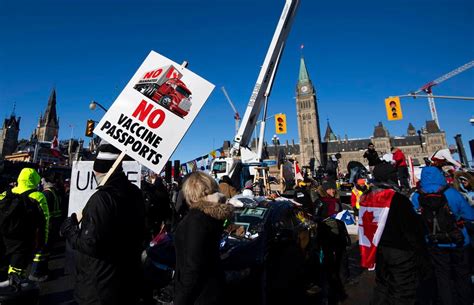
<point x="304" y="76"/>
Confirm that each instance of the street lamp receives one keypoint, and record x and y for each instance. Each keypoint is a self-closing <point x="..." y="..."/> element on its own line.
<point x="276" y="142"/>
<point x="94" y="105"/>
<point x="421" y="140"/>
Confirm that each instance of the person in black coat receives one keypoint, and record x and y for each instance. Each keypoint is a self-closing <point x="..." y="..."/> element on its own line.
<point x="401" y="259"/>
<point x="199" y="277"/>
<point x="108" y="245"/>
<point x="372" y="156"/>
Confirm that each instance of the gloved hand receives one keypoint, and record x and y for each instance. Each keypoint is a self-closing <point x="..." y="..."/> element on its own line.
<point x="69" y="226"/>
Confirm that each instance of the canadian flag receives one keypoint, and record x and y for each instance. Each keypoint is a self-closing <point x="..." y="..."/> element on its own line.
<point x="55" y="147"/>
<point x="298" y="175"/>
<point x="373" y="212"/>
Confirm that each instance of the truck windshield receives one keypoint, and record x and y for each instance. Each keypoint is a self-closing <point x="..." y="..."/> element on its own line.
<point x="219" y="167"/>
<point x="182" y="91"/>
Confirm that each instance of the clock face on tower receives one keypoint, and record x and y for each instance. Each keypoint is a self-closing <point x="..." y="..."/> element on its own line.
<point x="304" y="89"/>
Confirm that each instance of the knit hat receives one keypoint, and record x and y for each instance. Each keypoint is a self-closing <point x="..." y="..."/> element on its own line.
<point x="330" y="184"/>
<point x="385" y="172"/>
<point x="248" y="184"/>
<point x="106" y="156"/>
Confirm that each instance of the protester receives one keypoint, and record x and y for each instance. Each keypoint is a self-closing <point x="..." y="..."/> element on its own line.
<point x="302" y="196"/>
<point x="226" y="187"/>
<point x="360" y="187"/>
<point x="333" y="239"/>
<point x="402" y="168"/>
<point x="387" y="217"/>
<point x="39" y="269"/>
<point x="108" y="244"/>
<point x="23" y="224"/>
<point x="443" y="208"/>
<point x="443" y="157"/>
<point x="328" y="203"/>
<point x="158" y="212"/>
<point x="356" y="171"/>
<point x="464" y="184"/>
<point x="372" y="156"/>
<point x="199" y="276"/>
<point x="332" y="166"/>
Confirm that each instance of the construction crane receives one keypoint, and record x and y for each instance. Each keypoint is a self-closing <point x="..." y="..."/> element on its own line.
<point x="427" y="88"/>
<point x="236" y="113"/>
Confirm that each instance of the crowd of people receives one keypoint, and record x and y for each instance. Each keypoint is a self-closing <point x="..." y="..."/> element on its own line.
<point x="420" y="245"/>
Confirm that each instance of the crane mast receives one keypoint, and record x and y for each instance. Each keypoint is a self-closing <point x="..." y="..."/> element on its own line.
<point x="427" y="88"/>
<point x="262" y="88"/>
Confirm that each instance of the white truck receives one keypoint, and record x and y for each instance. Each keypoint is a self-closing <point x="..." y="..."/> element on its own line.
<point x="241" y="152"/>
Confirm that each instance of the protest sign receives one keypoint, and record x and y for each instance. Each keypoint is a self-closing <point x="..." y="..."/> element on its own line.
<point x="153" y="112"/>
<point x="84" y="183"/>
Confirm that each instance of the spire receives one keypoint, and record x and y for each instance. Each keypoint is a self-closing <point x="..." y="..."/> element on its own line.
<point x="303" y="76"/>
<point x="329" y="135"/>
<point x="411" y="131"/>
<point x="13" y="111"/>
<point x="50" y="117"/>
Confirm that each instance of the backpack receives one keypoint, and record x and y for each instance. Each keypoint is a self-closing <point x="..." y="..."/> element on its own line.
<point x="20" y="215"/>
<point x="439" y="220"/>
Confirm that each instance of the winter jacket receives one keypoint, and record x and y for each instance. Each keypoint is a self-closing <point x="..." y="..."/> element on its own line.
<point x="199" y="277"/>
<point x="404" y="228"/>
<point x="432" y="180"/>
<point x="109" y="245"/>
<point x="29" y="179"/>
<point x="372" y="156"/>
<point x="303" y="197"/>
<point x="468" y="192"/>
<point x="326" y="206"/>
<point x="399" y="158"/>
<point x="355" y="197"/>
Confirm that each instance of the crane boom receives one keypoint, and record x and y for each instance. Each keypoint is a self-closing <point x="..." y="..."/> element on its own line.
<point x="236" y="113"/>
<point x="427" y="88"/>
<point x="263" y="85"/>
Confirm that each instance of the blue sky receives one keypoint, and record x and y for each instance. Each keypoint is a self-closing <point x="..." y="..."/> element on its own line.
<point x="357" y="53"/>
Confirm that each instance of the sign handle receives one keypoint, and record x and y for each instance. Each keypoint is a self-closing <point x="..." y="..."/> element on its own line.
<point x="112" y="169"/>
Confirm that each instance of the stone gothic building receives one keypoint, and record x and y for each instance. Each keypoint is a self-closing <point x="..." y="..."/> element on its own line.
<point x="48" y="123"/>
<point x="9" y="135"/>
<point x="415" y="144"/>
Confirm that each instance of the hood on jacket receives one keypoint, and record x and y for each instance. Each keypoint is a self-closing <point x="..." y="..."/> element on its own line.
<point x="469" y="177"/>
<point x="432" y="179"/>
<point x="322" y="192"/>
<point x="27" y="180"/>
<point x="217" y="210"/>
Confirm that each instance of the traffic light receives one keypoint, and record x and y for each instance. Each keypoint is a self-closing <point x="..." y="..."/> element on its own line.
<point x="280" y="123"/>
<point x="394" y="108"/>
<point x="90" y="128"/>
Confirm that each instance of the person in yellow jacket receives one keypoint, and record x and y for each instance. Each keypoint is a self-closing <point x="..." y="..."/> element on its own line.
<point x="19" y="246"/>
<point x="360" y="187"/>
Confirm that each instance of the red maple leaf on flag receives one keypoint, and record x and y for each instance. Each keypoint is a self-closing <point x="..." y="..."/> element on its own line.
<point x="370" y="227"/>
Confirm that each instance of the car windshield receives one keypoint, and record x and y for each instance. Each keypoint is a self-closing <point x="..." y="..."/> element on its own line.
<point x="219" y="167"/>
<point x="182" y="91"/>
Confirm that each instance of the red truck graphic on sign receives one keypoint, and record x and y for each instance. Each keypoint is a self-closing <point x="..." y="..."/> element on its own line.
<point x="164" y="86"/>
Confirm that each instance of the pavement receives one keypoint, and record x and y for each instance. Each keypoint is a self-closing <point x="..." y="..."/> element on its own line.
<point x="58" y="289"/>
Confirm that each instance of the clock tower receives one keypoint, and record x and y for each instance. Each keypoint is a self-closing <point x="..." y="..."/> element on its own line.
<point x="308" y="118"/>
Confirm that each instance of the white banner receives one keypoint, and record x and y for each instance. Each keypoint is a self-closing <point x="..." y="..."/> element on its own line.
<point x="84" y="183"/>
<point x="153" y="112"/>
